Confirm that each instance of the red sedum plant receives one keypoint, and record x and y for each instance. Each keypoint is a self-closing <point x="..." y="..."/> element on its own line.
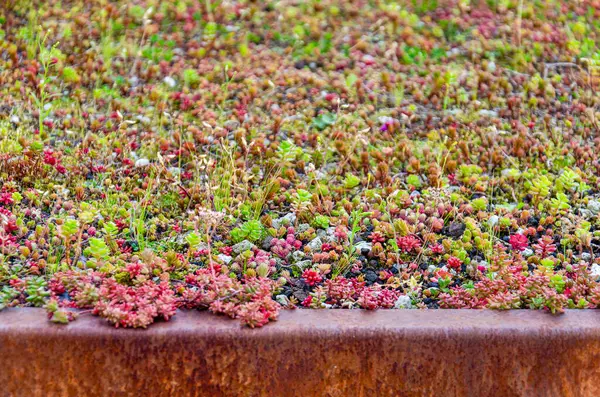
<point x="135" y="307"/>
<point x="250" y="300"/>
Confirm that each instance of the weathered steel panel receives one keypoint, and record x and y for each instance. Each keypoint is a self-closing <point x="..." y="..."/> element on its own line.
<point x="306" y="353"/>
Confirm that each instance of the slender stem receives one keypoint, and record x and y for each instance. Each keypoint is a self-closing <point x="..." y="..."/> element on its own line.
<point x="519" y="21"/>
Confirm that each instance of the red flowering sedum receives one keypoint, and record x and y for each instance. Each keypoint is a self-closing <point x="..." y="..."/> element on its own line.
<point x="135" y="307"/>
<point x="250" y="299"/>
<point x="518" y="242"/>
<point x="454" y="263"/>
<point x="408" y="244"/>
<point x="312" y="277"/>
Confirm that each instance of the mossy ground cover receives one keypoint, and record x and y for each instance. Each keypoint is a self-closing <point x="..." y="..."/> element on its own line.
<point x="250" y="156"/>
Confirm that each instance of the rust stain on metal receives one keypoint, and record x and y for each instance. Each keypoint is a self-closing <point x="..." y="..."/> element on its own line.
<point x="306" y="353"/>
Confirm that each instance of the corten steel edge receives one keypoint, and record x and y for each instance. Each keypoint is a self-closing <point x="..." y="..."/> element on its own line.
<point x="306" y="353"/>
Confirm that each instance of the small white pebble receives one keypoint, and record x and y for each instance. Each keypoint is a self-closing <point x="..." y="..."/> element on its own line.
<point x="142" y="162"/>
<point x="403" y="302"/>
<point x="170" y="81"/>
<point x="595" y="270"/>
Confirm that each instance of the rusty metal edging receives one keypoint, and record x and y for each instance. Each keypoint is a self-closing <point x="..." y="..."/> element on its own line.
<point x="306" y="353"/>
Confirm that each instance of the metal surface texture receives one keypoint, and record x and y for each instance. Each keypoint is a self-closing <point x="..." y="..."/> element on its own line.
<point x="306" y="353"/>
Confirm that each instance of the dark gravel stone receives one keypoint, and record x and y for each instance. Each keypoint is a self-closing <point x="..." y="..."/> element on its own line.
<point x="65" y="296"/>
<point x="287" y="291"/>
<point x="300" y="295"/>
<point x="454" y="230"/>
<point x="266" y="244"/>
<point x="300" y="64"/>
<point x="371" y="276"/>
